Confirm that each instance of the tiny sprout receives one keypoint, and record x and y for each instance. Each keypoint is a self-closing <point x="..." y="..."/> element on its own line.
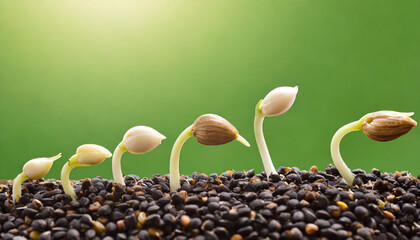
<point x="34" y="169"/>
<point x="137" y="140"/>
<point x="208" y="129"/>
<point x="86" y="155"/>
<point x="277" y="102"/>
<point x="379" y="126"/>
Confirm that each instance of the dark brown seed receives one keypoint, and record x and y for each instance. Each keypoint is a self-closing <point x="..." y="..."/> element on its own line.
<point x="257" y="204"/>
<point x="105" y="210"/>
<point x="361" y="212"/>
<point x="207" y="225"/>
<point x="73" y="234"/>
<point x="195" y="223"/>
<point x="39" y="225"/>
<point x="274" y="225"/>
<point x="152" y="220"/>
<point x="111" y="228"/>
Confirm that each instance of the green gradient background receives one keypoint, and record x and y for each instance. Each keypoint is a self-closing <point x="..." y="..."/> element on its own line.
<point x="75" y="72"/>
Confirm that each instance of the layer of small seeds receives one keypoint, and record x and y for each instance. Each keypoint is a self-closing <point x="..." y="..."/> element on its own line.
<point x="235" y="205"/>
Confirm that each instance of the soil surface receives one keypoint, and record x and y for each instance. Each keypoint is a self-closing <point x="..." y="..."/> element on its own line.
<point x="234" y="205"/>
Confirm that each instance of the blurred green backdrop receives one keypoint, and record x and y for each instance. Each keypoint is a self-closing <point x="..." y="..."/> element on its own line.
<point x="75" y="72"/>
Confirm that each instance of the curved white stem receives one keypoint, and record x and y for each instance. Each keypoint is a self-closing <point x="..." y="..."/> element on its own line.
<point x="345" y="172"/>
<point x="17" y="186"/>
<point x="174" y="162"/>
<point x="262" y="146"/>
<point x="116" y="164"/>
<point x="65" y="176"/>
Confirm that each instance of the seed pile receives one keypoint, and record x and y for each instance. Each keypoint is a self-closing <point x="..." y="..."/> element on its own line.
<point x="234" y="205"/>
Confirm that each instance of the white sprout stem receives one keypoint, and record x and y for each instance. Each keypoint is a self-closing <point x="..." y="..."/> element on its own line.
<point x="174" y="162"/>
<point x="65" y="176"/>
<point x="345" y="171"/>
<point x="17" y="186"/>
<point x="116" y="164"/>
<point x="262" y="146"/>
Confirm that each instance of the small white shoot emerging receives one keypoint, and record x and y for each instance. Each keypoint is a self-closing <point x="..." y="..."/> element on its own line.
<point x="86" y="155"/>
<point x="379" y="126"/>
<point x="137" y="140"/>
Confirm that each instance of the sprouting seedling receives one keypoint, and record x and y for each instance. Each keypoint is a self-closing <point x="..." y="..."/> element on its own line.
<point x="137" y="140"/>
<point x="208" y="129"/>
<point x="34" y="169"/>
<point x="277" y="102"/>
<point x="379" y="126"/>
<point x="86" y="155"/>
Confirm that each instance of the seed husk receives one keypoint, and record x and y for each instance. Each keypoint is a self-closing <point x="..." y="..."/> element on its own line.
<point x="211" y="129"/>
<point x="386" y="125"/>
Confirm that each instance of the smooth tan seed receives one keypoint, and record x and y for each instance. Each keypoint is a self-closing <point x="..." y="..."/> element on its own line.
<point x="253" y="215"/>
<point x="271" y="206"/>
<point x="391" y="197"/>
<point x="38" y="204"/>
<point x="142" y="217"/>
<point x="395" y="207"/>
<point x="351" y="194"/>
<point x="311" y="228"/>
<point x="314" y="169"/>
<point x="183" y="194"/>
<point x="34" y="235"/>
<point x="389" y="215"/>
<point x="94" y="206"/>
<point x="342" y="205"/>
<point x="212" y="129"/>
<point x="236" y="237"/>
<point x="386" y="126"/>
<point x="121" y="225"/>
<point x="397" y="174"/>
<point x="98" y="227"/>
<point x="381" y="204"/>
<point x="185" y="220"/>
<point x="103" y="220"/>
<point x="304" y="203"/>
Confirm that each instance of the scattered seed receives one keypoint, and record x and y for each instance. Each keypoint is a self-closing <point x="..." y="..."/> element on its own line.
<point x="311" y="229"/>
